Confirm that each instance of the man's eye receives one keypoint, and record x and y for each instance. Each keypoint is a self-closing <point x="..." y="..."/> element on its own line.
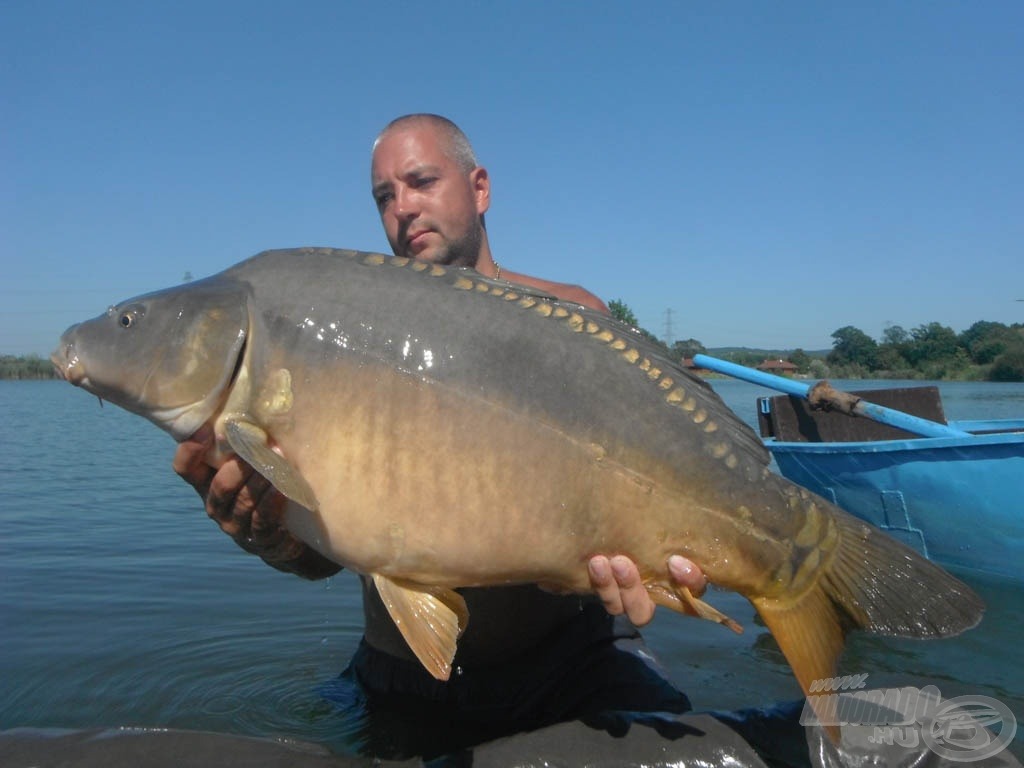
<point x="383" y="199"/>
<point x="426" y="181"/>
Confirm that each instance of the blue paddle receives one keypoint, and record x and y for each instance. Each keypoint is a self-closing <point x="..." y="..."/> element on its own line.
<point x="822" y="393"/>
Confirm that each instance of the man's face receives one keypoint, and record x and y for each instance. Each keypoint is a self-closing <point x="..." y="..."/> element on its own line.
<point x="429" y="206"/>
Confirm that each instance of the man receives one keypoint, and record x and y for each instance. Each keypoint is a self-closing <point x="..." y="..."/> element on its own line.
<point x="528" y="658"/>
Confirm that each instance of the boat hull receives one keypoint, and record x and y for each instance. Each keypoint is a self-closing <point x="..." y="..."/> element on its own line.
<point x="955" y="500"/>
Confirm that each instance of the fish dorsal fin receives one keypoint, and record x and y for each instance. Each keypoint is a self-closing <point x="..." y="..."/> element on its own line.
<point x="429" y="618"/>
<point x="251" y="443"/>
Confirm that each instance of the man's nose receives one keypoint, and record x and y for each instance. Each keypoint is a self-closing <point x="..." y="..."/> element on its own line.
<point x="405" y="203"/>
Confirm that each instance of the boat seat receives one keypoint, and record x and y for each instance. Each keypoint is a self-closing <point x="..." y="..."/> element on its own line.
<point x="788" y="418"/>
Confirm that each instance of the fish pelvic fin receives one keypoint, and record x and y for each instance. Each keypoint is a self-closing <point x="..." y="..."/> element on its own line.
<point x="252" y="443"/>
<point x="873" y="583"/>
<point x="431" y="619"/>
<point x="682" y="600"/>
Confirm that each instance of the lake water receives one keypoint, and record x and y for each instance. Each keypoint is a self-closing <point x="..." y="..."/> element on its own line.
<point x="121" y="604"/>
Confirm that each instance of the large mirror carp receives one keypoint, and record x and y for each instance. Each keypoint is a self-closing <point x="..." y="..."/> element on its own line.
<point x="437" y="429"/>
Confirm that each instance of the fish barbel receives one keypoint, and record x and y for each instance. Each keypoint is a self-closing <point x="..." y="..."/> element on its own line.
<point x="438" y="429"/>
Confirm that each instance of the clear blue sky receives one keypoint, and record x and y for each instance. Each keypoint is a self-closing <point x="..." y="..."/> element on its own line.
<point x="768" y="171"/>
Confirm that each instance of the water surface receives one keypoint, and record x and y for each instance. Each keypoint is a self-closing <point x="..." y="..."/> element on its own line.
<point x="121" y="604"/>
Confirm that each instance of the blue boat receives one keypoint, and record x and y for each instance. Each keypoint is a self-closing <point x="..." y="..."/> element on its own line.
<point x="956" y="496"/>
<point x="957" y="500"/>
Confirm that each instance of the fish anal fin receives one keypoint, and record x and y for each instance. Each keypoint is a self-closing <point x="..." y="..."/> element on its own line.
<point x="429" y="618"/>
<point x="811" y="634"/>
<point x="682" y="600"/>
<point x="251" y="442"/>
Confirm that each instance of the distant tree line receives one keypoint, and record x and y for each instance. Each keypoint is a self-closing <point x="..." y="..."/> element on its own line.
<point x="986" y="351"/>
<point x="31" y="367"/>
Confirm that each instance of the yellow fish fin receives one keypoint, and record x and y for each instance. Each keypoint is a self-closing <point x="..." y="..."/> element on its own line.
<point x="811" y="633"/>
<point x="869" y="582"/>
<point x="251" y="443"/>
<point x="682" y="600"/>
<point x="429" y="618"/>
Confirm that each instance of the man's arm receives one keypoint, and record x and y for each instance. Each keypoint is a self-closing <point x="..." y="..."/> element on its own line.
<point x="249" y="509"/>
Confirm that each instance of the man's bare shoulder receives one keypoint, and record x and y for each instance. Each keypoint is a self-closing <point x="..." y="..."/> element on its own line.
<point x="564" y="291"/>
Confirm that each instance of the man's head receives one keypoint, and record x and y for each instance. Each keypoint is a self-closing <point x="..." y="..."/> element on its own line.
<point x="430" y="192"/>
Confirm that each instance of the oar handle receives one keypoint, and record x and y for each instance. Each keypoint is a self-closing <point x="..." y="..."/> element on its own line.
<point x="879" y="413"/>
<point x="752" y="375"/>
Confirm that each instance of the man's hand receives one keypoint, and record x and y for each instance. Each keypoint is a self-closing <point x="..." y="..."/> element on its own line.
<point x="617" y="582"/>
<point x="247" y="508"/>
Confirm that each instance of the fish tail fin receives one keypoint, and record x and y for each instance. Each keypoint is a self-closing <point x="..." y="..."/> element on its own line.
<point x="871" y="582"/>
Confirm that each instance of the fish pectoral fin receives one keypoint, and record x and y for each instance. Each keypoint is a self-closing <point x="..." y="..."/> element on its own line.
<point x="429" y="618"/>
<point x="251" y="443"/>
<point x="682" y="600"/>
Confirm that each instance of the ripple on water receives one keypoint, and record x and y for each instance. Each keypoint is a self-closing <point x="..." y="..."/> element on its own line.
<point x="207" y="679"/>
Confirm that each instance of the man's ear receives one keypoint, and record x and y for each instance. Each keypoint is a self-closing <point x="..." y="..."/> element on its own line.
<point x="481" y="183"/>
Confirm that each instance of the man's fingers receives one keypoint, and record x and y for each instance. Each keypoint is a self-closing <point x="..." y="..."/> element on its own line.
<point x="222" y="500"/>
<point x="686" y="573"/>
<point x="189" y="463"/>
<point x="267" y="504"/>
<point x="185" y="457"/>
<point x="603" y="581"/>
<point x="249" y="509"/>
<point x="635" y="601"/>
<point x="618" y="584"/>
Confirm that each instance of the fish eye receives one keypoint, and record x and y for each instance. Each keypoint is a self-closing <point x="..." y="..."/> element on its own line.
<point x="127" y="316"/>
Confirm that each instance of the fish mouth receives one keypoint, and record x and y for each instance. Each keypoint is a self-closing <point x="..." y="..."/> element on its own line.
<point x="67" y="364"/>
<point x="58" y="367"/>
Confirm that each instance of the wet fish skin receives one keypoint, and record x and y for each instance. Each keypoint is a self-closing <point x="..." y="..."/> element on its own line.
<point x="438" y="429"/>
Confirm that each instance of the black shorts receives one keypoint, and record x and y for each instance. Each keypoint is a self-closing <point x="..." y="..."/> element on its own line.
<point x="593" y="664"/>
